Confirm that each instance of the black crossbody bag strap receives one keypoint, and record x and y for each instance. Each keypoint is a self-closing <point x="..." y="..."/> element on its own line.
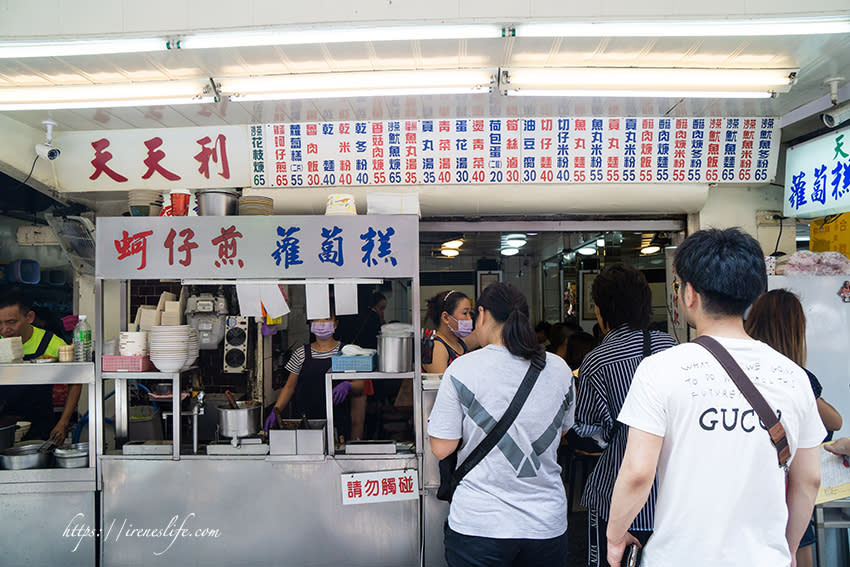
<point x="42" y="346"/>
<point x="538" y="362"/>
<point x="752" y="395"/>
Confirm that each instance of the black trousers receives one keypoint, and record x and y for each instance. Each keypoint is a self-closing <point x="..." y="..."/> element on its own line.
<point x="597" y="540"/>
<point x="476" y="551"/>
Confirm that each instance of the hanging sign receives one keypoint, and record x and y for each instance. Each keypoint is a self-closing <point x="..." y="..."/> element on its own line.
<point x="381" y="486"/>
<point x="515" y="150"/>
<point x="817" y="176"/>
<point x="257" y="247"/>
<point x="162" y="158"/>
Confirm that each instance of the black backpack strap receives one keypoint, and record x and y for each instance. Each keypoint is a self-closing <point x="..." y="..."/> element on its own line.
<point x="538" y="362"/>
<point x="42" y="346"/>
<point x="647" y="350"/>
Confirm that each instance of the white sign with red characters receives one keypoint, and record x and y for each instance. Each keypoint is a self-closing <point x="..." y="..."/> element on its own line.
<point x="161" y="158"/>
<point x="381" y="486"/>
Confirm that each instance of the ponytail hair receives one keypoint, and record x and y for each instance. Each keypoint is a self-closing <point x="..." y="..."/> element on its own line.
<point x="507" y="305"/>
<point x="444" y="301"/>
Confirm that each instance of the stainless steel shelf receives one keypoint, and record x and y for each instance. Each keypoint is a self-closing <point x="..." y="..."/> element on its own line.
<point x="47" y="373"/>
<point x="370" y="375"/>
<point x="162" y="376"/>
<point x="47" y="475"/>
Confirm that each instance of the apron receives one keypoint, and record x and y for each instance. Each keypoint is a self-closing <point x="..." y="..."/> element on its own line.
<point x="310" y="393"/>
<point x="32" y="403"/>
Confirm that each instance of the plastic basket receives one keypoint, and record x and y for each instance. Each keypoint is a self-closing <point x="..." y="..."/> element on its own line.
<point x="342" y="363"/>
<point x="126" y="363"/>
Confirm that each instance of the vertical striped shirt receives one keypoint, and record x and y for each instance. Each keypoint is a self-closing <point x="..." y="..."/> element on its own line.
<point x="605" y="376"/>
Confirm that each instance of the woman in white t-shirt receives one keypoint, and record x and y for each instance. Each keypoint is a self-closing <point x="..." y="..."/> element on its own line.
<point x="511" y="508"/>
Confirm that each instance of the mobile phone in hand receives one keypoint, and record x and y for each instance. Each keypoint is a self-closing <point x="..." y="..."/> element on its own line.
<point x="632" y="556"/>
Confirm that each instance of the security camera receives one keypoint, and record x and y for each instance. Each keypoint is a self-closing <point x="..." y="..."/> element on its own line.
<point x="836" y="115"/>
<point x="47" y="151"/>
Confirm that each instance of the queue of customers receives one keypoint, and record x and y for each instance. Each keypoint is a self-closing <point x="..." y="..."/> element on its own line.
<point x="670" y="482"/>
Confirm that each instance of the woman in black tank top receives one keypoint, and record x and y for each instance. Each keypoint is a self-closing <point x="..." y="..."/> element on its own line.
<point x="451" y="313"/>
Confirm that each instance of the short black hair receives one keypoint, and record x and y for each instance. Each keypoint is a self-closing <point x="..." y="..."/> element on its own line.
<point x="544" y="326"/>
<point x="726" y="267"/>
<point x="15" y="297"/>
<point x="623" y="296"/>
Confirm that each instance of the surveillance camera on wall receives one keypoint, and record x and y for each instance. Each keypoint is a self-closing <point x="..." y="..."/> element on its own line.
<point x="47" y="151"/>
<point x="836" y="115"/>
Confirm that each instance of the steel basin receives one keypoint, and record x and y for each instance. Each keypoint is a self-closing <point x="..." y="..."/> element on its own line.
<point x="25" y="456"/>
<point x="242" y="422"/>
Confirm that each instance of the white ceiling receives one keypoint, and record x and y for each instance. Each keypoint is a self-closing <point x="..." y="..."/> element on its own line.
<point x="817" y="57"/>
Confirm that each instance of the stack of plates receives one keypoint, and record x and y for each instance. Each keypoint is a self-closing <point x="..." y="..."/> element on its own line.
<point x="144" y="203"/>
<point x="256" y="206"/>
<point x="133" y="344"/>
<point x="11" y="350"/>
<point x="168" y="347"/>
<point x="193" y="347"/>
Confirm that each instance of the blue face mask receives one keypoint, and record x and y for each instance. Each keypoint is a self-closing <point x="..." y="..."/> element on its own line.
<point x="322" y="329"/>
<point x="464" y="327"/>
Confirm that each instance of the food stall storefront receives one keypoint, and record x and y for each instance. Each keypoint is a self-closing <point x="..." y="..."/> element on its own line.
<point x="178" y="502"/>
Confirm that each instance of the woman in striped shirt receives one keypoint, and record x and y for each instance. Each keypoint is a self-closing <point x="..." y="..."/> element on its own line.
<point x="623" y="305"/>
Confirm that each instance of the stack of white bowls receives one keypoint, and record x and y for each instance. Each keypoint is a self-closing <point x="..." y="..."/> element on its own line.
<point x="133" y="344"/>
<point x="252" y="205"/>
<point x="193" y="347"/>
<point x="168" y="347"/>
<point x="144" y="203"/>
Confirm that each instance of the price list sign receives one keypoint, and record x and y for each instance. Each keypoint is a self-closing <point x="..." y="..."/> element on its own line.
<point x="516" y="150"/>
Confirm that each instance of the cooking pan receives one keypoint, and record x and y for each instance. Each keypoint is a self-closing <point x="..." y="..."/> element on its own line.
<point x="241" y="422"/>
<point x="25" y="456"/>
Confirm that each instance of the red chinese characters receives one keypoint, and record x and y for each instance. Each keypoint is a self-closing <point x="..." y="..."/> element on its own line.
<point x="155" y="156"/>
<point x="218" y="151"/>
<point x="101" y="157"/>
<point x="131" y="245"/>
<point x="226" y="243"/>
<point x="186" y="248"/>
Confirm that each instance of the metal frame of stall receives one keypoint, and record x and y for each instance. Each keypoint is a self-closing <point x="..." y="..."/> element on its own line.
<point x="50" y="513"/>
<point x="251" y="509"/>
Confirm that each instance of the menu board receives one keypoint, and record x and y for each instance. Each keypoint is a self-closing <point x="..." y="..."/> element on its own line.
<point x="515" y="150"/>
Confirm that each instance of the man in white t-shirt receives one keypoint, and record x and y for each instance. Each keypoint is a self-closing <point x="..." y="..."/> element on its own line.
<point x="721" y="493"/>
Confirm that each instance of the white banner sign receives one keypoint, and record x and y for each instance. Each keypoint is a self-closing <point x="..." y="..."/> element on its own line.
<point x="382" y="486"/>
<point x="817" y="176"/>
<point x="515" y="150"/>
<point x="163" y="158"/>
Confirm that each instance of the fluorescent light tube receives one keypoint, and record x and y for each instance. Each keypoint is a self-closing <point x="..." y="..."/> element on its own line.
<point x="689" y="28"/>
<point x="364" y="83"/>
<point x="27" y="49"/>
<point x="649" y="77"/>
<point x="103" y="95"/>
<point x="638" y="93"/>
<point x="338" y="35"/>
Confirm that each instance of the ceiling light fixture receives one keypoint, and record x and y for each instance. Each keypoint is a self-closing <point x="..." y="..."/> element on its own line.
<point x="154" y="93"/>
<point x="688" y="28"/>
<point x="360" y="83"/>
<point x="587" y="251"/>
<point x="646" y="82"/>
<point x="449" y="252"/>
<point x="338" y="35"/>
<point x="510" y="251"/>
<point x="651" y="249"/>
<point x="28" y="49"/>
<point x="453" y="244"/>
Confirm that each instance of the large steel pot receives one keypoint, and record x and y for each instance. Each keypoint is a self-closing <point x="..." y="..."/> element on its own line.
<point x="25" y="456"/>
<point x="395" y="353"/>
<point x="217" y="203"/>
<point x="241" y="422"/>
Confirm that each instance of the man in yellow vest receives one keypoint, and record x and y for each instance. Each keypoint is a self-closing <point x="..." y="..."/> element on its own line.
<point x="34" y="403"/>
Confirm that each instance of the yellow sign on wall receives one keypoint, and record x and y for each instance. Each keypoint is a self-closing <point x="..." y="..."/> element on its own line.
<point x="831" y="234"/>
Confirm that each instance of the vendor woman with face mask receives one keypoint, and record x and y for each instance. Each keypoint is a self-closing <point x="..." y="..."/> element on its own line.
<point x="306" y="383"/>
<point x="451" y="313"/>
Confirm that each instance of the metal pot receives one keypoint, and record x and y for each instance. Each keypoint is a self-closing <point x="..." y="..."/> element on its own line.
<point x="395" y="353"/>
<point x="242" y="422"/>
<point x="71" y="458"/>
<point x="217" y="203"/>
<point x="26" y="456"/>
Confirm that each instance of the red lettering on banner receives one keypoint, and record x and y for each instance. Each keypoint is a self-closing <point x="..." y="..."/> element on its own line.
<point x="206" y="154"/>
<point x="345" y="165"/>
<point x="581" y="124"/>
<point x="512" y="124"/>
<point x="345" y="128"/>
<point x="443" y="126"/>
<point x="445" y="163"/>
<point x="545" y="143"/>
<point x="311" y="129"/>
<point x="226" y="243"/>
<point x="512" y="144"/>
<point x="345" y="147"/>
<point x="372" y="488"/>
<point x="155" y="156"/>
<point x="388" y="486"/>
<point x="355" y="489"/>
<point x="377" y="127"/>
<point x="313" y="166"/>
<point x="101" y="157"/>
<point x="132" y="245"/>
<point x="477" y="143"/>
<point x="614" y="124"/>
<point x="580" y="144"/>
<point x="187" y="234"/>
<point x="405" y="484"/>
<point x="378" y="164"/>
<point x="613" y="143"/>
<point x="444" y="145"/>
